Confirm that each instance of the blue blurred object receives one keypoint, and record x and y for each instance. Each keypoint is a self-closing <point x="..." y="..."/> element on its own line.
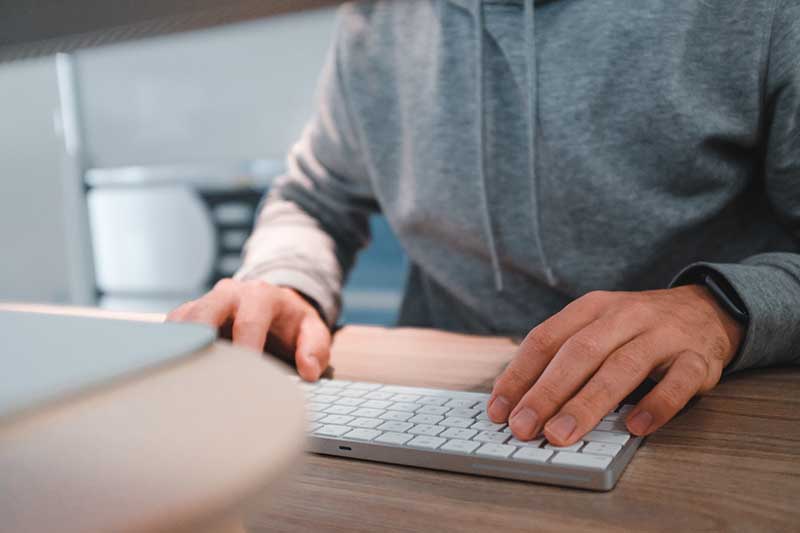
<point x="373" y="292"/>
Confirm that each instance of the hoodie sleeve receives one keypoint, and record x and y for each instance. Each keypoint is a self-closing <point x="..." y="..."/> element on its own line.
<point x="768" y="284"/>
<point x="316" y="216"/>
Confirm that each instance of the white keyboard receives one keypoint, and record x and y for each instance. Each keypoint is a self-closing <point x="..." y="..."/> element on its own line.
<point x="449" y="430"/>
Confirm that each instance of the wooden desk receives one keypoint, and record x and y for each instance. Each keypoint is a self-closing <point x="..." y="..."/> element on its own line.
<point x="732" y="462"/>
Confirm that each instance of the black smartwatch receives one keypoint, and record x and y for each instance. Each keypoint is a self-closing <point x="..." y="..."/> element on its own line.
<point x="726" y="296"/>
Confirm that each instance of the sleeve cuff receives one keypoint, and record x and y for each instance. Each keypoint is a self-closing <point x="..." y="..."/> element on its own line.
<point x="769" y="294"/>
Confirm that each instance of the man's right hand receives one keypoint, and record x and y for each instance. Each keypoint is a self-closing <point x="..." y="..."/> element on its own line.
<point x="255" y="310"/>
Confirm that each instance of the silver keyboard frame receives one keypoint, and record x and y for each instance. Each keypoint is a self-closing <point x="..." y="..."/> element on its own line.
<point x="552" y="474"/>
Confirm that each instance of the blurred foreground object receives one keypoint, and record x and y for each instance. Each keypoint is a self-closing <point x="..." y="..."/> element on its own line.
<point x="133" y="426"/>
<point x="29" y="29"/>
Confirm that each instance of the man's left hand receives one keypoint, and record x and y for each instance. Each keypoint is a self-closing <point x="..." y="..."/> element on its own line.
<point x="576" y="366"/>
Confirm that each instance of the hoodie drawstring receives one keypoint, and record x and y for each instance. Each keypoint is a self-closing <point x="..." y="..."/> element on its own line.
<point x="487" y="216"/>
<point x="532" y="103"/>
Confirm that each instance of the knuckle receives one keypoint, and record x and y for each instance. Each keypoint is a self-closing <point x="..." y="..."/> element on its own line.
<point x="224" y="284"/>
<point x="547" y="393"/>
<point x="539" y="340"/>
<point x="641" y="310"/>
<point x="696" y="364"/>
<point x="629" y="362"/>
<point x="581" y="346"/>
<point x="672" y="397"/>
<point x="244" y="326"/>
<point x="595" y="298"/>
<point x="513" y="379"/>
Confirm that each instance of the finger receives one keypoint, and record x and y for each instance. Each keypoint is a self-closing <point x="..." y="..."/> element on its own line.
<point x="179" y="313"/>
<point x="619" y="375"/>
<point x="253" y="317"/>
<point x="216" y="307"/>
<point x="313" y="347"/>
<point x="535" y="352"/>
<point x="574" y="363"/>
<point x="683" y="380"/>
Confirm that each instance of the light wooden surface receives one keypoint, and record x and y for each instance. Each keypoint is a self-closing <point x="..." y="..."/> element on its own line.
<point x="731" y="462"/>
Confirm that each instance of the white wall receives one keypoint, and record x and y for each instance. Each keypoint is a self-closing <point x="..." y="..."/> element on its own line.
<point x="241" y="91"/>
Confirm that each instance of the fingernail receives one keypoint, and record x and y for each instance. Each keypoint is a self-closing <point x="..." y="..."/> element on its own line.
<point x="523" y="423"/>
<point x="562" y="426"/>
<point x="640" y="422"/>
<point x="313" y="366"/>
<point x="499" y="408"/>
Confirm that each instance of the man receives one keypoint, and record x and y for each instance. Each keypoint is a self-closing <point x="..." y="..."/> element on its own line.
<point x="624" y="177"/>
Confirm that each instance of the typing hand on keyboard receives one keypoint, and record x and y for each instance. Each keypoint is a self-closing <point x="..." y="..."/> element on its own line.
<point x="576" y="366"/>
<point x="246" y="311"/>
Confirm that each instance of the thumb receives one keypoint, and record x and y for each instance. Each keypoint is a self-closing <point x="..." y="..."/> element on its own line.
<point x="313" y="348"/>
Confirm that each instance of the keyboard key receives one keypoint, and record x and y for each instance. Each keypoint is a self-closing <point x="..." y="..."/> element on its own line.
<point x="395" y="426"/>
<point x="490" y="436"/>
<point x="612" y="417"/>
<point x="461" y="446"/>
<point x="362" y="434"/>
<point x="486" y="425"/>
<point x="495" y="450"/>
<point x="426" y="419"/>
<point x="399" y="416"/>
<point x="329" y="391"/>
<point x="339" y="410"/>
<point x="313" y="427"/>
<point x="332" y="430"/>
<point x="533" y="455"/>
<point x="325" y="398"/>
<point x="376" y="404"/>
<point x="404" y="406"/>
<point x="459" y="433"/>
<point x="606" y="436"/>
<point x="405" y="398"/>
<point x="432" y="409"/>
<point x="426" y="429"/>
<point x="366" y="412"/>
<point x="464" y="413"/>
<point x="458" y="403"/>
<point x="352" y="402"/>
<point x="428" y="443"/>
<point x="602" y="448"/>
<point x="336" y="419"/>
<point x="315" y="416"/>
<point x="571" y="448"/>
<point x="535" y="443"/>
<point x="368" y="423"/>
<point x="365" y="386"/>
<point x="482" y="416"/>
<point x="378" y="395"/>
<point x="456" y="422"/>
<point x="581" y="459"/>
<point x="394" y="438"/>
<point x="316" y="406"/>
<point x="432" y="400"/>
<point x="625" y="409"/>
<point x="348" y="393"/>
<point x="611" y="425"/>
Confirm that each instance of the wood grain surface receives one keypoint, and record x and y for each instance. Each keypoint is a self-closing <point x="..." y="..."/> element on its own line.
<point x="729" y="463"/>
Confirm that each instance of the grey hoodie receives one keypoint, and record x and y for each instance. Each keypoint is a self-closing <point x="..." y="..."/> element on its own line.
<point x="527" y="154"/>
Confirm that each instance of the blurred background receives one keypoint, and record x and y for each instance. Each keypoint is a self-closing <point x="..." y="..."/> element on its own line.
<point x="130" y="172"/>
